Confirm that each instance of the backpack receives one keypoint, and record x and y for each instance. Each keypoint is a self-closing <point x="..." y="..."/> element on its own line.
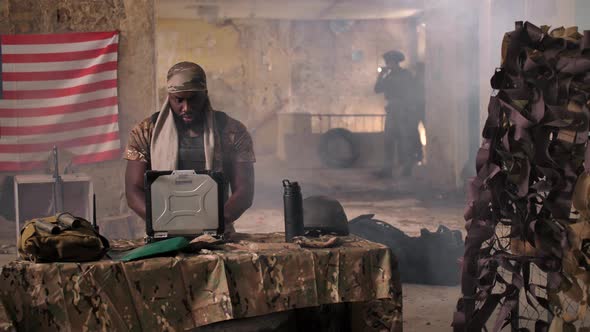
<point x="61" y="238"/>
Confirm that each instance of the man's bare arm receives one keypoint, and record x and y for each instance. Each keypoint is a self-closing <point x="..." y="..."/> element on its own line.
<point x="134" y="190"/>
<point x="242" y="186"/>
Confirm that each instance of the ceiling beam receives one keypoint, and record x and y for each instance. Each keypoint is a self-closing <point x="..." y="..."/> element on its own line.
<point x="288" y="9"/>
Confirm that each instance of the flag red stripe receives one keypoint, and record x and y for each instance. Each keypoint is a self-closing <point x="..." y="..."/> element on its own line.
<point x="56" y="93"/>
<point x="57" y="57"/>
<point x="59" y="127"/>
<point x="21" y="166"/>
<point x="55" y="38"/>
<point x="82" y="135"/>
<point x="96" y="157"/>
<point x="64" y="109"/>
<point x="43" y="147"/>
<point x="58" y="75"/>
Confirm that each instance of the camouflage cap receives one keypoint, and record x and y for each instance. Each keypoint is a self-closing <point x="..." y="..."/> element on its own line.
<point x="186" y="76"/>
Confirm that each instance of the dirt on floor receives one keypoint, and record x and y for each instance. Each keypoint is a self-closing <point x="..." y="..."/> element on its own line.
<point x="407" y="203"/>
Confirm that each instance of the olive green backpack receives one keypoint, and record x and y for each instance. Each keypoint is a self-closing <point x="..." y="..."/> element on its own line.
<point x="61" y="238"/>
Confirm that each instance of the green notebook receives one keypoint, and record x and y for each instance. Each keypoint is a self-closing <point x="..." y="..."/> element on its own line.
<point x="156" y="249"/>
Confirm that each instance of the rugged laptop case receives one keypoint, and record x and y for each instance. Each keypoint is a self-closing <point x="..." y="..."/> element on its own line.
<point x="183" y="203"/>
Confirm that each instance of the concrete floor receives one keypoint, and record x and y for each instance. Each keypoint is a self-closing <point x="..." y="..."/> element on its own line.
<point x="429" y="308"/>
<point x="408" y="204"/>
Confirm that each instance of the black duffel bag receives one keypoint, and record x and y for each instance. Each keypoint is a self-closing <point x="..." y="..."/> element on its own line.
<point x="432" y="258"/>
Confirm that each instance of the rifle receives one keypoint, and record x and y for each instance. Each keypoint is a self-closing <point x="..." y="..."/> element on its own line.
<point x="58" y="205"/>
<point x="94" y="224"/>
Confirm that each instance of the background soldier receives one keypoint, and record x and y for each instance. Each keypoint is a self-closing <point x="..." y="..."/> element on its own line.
<point x="402" y="141"/>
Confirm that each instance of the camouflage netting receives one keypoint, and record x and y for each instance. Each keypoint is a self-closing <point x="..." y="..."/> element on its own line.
<point x="529" y="165"/>
<point x="256" y="276"/>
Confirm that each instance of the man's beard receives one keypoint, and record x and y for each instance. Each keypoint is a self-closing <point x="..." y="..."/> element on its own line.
<point x="197" y="119"/>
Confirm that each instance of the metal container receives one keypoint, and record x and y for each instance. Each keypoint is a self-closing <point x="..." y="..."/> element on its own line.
<point x="293" y="203"/>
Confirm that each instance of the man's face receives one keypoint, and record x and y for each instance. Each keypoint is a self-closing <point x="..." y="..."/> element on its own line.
<point x="391" y="63"/>
<point x="188" y="105"/>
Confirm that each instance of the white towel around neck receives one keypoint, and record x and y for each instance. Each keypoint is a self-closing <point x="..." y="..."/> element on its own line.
<point x="164" y="141"/>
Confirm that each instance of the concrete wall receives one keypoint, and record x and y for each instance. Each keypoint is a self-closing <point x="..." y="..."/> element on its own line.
<point x="451" y="79"/>
<point x="245" y="63"/>
<point x="259" y="67"/>
<point x="135" y="20"/>
<point x="334" y="63"/>
<point x="463" y="43"/>
<point x="582" y="14"/>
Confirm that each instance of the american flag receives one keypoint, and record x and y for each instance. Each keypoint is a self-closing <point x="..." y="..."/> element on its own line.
<point x="58" y="89"/>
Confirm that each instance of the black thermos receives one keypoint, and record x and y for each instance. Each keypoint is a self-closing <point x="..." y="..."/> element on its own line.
<point x="293" y="210"/>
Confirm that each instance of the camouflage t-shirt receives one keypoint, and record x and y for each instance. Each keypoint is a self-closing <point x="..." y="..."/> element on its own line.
<point x="236" y="143"/>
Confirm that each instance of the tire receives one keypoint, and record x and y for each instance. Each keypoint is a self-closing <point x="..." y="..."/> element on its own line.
<point x="338" y="148"/>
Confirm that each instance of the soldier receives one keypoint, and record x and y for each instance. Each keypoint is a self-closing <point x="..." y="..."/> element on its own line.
<point x="188" y="134"/>
<point x="401" y="121"/>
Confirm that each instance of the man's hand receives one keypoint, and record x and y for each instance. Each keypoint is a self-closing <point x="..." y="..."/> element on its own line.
<point x="241" y="180"/>
<point x="134" y="190"/>
<point x="385" y="71"/>
<point x="380" y="84"/>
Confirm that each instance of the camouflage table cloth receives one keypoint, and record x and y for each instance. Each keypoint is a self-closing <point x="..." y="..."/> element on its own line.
<point x="255" y="276"/>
